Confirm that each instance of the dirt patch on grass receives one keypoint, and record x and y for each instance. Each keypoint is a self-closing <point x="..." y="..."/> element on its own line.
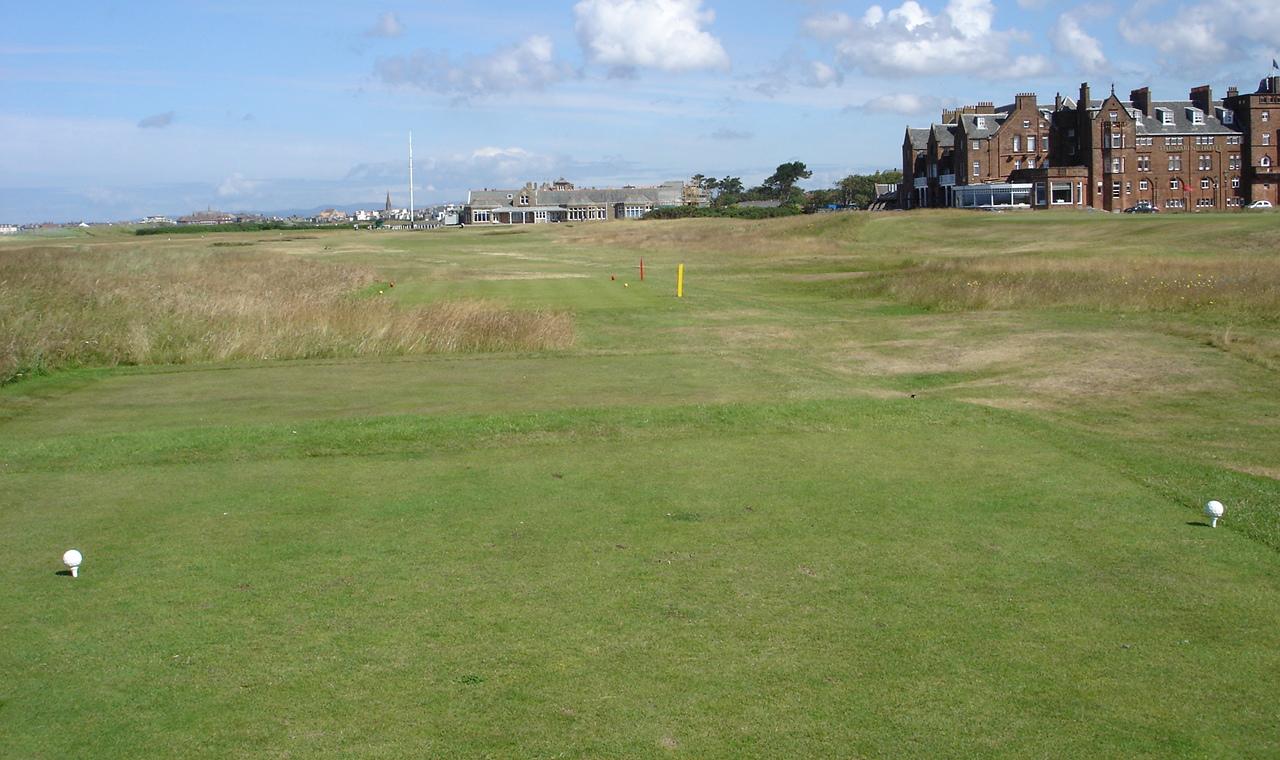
<point x="1263" y="472"/>
<point x="1045" y="366"/>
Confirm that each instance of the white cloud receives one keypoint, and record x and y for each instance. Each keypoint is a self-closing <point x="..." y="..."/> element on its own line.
<point x="906" y="104"/>
<point x="531" y="63"/>
<point x="236" y="186"/>
<point x="910" y="41"/>
<point x="1070" y="40"/>
<point x="388" y="25"/>
<point x="821" y="75"/>
<point x="1206" y="33"/>
<point x="659" y="34"/>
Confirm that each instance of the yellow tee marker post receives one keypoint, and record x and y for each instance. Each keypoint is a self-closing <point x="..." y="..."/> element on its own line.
<point x="680" y="281"/>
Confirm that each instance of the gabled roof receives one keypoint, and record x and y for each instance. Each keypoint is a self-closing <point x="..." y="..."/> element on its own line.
<point x="944" y="135"/>
<point x="919" y="138"/>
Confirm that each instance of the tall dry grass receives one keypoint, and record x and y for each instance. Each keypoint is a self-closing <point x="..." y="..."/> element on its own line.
<point x="61" y="307"/>
<point x="1230" y="285"/>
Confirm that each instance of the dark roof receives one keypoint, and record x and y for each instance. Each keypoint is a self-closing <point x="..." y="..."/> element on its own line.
<point x="945" y="135"/>
<point x="1182" y="124"/>
<point x="919" y="138"/>
<point x="991" y="122"/>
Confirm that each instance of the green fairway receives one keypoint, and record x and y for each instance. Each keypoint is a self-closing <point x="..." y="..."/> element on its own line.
<point x="836" y="502"/>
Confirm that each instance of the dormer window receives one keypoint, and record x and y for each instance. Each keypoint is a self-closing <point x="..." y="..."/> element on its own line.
<point x="524" y="200"/>
<point x="982" y="123"/>
<point x="1226" y="116"/>
<point x="1165" y="114"/>
<point x="1195" y="116"/>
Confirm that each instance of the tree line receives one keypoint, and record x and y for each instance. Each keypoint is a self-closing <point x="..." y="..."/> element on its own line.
<point x="854" y="191"/>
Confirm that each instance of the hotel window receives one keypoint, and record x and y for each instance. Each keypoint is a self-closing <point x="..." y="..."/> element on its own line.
<point x="1115" y="189"/>
<point x="1266" y="161"/>
<point x="1017" y="164"/>
<point x="977" y="168"/>
<point x="1128" y="188"/>
<point x="1114" y="115"/>
<point x="981" y="122"/>
<point x="1235" y="182"/>
<point x="1175" y="163"/>
<point x="1204" y="183"/>
<point x="1117" y="165"/>
<point x="1017" y="143"/>
<point x="1173" y="183"/>
<point x="1266" y="116"/>
<point x="1175" y="142"/>
<point x="1026" y="123"/>
<point x="1206" y="163"/>
<point x="1143" y="185"/>
<point x="1144" y="163"/>
<point x="1117" y="140"/>
<point x="1266" y="139"/>
<point x="1060" y="193"/>
<point x="1031" y="143"/>
<point x="977" y="145"/>
<point x="1204" y="202"/>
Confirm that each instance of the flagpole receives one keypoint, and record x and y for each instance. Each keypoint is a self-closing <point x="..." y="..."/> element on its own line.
<point x="411" y="180"/>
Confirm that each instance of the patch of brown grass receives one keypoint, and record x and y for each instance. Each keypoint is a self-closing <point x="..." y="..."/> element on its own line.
<point x="1227" y="284"/>
<point x="63" y="307"/>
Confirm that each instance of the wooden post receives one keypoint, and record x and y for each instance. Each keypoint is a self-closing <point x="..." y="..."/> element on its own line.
<point x="680" y="281"/>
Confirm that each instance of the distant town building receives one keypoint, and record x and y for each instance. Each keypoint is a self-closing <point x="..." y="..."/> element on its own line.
<point x="332" y="216"/>
<point x="208" y="217"/>
<point x="1109" y="154"/>
<point x="8" y="229"/>
<point x="560" y="201"/>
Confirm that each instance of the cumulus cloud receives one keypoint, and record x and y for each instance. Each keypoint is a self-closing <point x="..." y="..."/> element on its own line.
<point x="157" y="121"/>
<point x="1070" y="40"/>
<point x="661" y="34"/>
<point x="388" y="25"/>
<point x="530" y="63"/>
<point x="906" y="104"/>
<point x="1206" y="33"/>
<point x="909" y="40"/>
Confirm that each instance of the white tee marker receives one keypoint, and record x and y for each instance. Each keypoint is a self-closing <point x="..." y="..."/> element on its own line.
<point x="1214" y="511"/>
<point x="72" y="559"/>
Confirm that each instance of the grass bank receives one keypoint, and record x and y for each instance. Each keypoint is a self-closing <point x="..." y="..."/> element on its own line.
<point x="107" y="306"/>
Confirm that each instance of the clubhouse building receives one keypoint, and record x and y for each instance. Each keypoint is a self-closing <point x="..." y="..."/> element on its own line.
<point x="560" y="201"/>
<point x="1108" y="154"/>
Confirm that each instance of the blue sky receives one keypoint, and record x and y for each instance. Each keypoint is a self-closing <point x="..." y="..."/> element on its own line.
<point x="114" y="110"/>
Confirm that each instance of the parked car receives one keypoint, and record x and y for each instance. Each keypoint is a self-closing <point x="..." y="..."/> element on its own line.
<point x="1259" y="204"/>
<point x="1142" y="208"/>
